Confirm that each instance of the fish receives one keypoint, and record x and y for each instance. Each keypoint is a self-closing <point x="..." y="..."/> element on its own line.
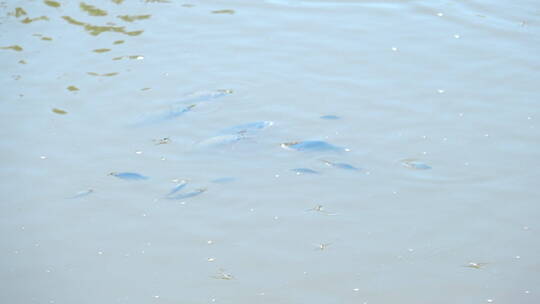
<point x="247" y="128"/>
<point x="129" y="176"/>
<point x="330" y="117"/>
<point x="181" y="185"/>
<point x="312" y="146"/>
<point x="187" y="195"/>
<point x="415" y="164"/>
<point x="300" y="171"/>
<point x="222" y="140"/>
<point x="344" y="166"/>
<point x="82" y="193"/>
<point x="182" y="106"/>
<point x="223" y="180"/>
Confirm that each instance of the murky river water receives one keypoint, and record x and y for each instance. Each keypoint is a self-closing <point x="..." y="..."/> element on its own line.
<point x="271" y="151"/>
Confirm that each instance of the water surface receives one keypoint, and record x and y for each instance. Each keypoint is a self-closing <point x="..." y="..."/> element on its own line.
<point x="452" y="85"/>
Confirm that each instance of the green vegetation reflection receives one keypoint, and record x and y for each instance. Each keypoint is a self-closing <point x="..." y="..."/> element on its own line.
<point x="12" y="47"/>
<point x="225" y="11"/>
<point x="58" y="111"/>
<point x="18" y="12"/>
<point x="132" y="18"/>
<point x="96" y="29"/>
<point x="30" y="20"/>
<point x="92" y="10"/>
<point x="52" y="3"/>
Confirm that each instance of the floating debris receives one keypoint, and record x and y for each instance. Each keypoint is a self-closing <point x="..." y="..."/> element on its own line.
<point x="92" y="10"/>
<point x="30" y="20"/>
<point x="323" y="246"/>
<point x="136" y="57"/>
<point x="101" y="50"/>
<point x="415" y="164"/>
<point x="225" y="11"/>
<point x="58" y="111"/>
<point x="129" y="176"/>
<point x="132" y="18"/>
<point x="118" y="42"/>
<point x="22" y="61"/>
<point x="222" y="275"/>
<point x="157" y="1"/>
<point x="344" y="166"/>
<point x="475" y="265"/>
<point x="330" y="117"/>
<point x="72" y="88"/>
<point x="105" y="75"/>
<point x="12" y="47"/>
<point x="300" y="171"/>
<point x="52" y="3"/>
<point x="162" y="141"/>
<point x="96" y="30"/>
<point x="320" y="209"/>
<point x="82" y="193"/>
<point x="46" y="38"/>
<point x="311" y="145"/>
<point x="188" y="5"/>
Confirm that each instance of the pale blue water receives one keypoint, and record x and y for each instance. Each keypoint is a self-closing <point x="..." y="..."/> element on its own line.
<point x="437" y="109"/>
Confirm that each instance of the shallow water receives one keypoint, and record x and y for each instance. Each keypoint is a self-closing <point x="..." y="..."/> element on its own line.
<point x="450" y="85"/>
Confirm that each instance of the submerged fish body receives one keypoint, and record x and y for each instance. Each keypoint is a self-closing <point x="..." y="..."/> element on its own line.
<point x="187" y="195"/>
<point x="415" y="164"/>
<point x="223" y="180"/>
<point x="183" y="106"/>
<point x="330" y="117"/>
<point x="129" y="176"/>
<point x="222" y="140"/>
<point x="181" y="185"/>
<point x="232" y="135"/>
<point x="202" y="96"/>
<point x="247" y="128"/>
<point x="344" y="166"/>
<point x="82" y="193"/>
<point x="312" y="146"/>
<point x="300" y="171"/>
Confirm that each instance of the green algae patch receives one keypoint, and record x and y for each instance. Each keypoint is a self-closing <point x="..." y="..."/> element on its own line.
<point x="117" y="1"/>
<point x="92" y="10"/>
<point x="225" y="11"/>
<point x="95" y="30"/>
<point x="22" y="61"/>
<point x="30" y="20"/>
<point x="46" y="38"/>
<point x="132" y="18"/>
<point x="101" y="50"/>
<point x="12" y="47"/>
<point x="118" y="42"/>
<point x="52" y="3"/>
<point x="59" y="111"/>
<point x="72" y="88"/>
